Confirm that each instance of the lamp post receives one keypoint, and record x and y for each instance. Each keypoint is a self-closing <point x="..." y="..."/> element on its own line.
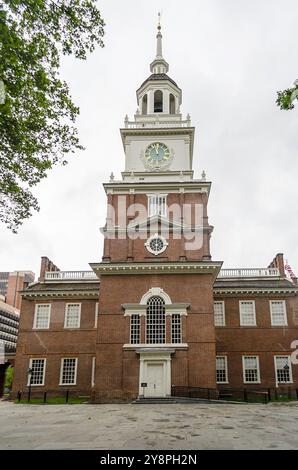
<point x="30" y="371"/>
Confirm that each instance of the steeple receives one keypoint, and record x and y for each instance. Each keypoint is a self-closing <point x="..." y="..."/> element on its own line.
<point x="159" y="65"/>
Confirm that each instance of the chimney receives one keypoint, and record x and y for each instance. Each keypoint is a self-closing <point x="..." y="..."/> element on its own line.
<point x="46" y="265"/>
<point x="278" y="262"/>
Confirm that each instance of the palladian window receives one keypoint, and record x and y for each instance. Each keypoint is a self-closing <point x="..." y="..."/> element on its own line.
<point x="155" y="321"/>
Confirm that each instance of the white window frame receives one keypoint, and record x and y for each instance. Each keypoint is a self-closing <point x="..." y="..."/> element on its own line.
<point x="156" y="204"/>
<point x="222" y="302"/>
<point x="61" y="371"/>
<point x="93" y="366"/>
<point x="226" y="369"/>
<point x="35" y="327"/>
<point x="65" y="316"/>
<point x="44" y="371"/>
<point x="133" y="325"/>
<point x="258" y="381"/>
<point x="241" y="313"/>
<point x="283" y="302"/>
<point x="290" y="368"/>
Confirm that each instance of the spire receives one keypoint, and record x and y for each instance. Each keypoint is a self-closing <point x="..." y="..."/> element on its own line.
<point x="159" y="39"/>
<point x="159" y="65"/>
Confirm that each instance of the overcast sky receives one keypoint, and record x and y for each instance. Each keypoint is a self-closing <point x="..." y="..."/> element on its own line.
<point x="229" y="57"/>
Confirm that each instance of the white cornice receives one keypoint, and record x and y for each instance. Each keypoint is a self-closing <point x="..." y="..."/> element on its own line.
<point x="255" y="290"/>
<point x="188" y="267"/>
<point x="59" y="294"/>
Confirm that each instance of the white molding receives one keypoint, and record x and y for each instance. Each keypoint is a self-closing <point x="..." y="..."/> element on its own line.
<point x="157" y="346"/>
<point x="96" y="315"/>
<point x="285" y="313"/>
<point x="93" y="366"/>
<point x="258" y="369"/>
<point x="155" y="291"/>
<point x="65" y="316"/>
<point x="35" y="316"/>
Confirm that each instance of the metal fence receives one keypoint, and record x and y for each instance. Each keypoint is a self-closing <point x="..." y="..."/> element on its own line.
<point x="248" y="395"/>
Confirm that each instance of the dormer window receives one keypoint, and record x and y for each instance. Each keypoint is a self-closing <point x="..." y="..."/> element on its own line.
<point x="158" y="101"/>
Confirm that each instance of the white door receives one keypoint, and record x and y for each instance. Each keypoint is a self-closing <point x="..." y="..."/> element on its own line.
<point x="155" y="381"/>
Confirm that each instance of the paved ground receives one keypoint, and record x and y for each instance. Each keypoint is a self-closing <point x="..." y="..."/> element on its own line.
<point x="170" y="426"/>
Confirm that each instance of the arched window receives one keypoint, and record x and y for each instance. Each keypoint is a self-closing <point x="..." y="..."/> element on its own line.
<point x="155" y="321"/>
<point x="172" y="104"/>
<point x="158" y="101"/>
<point x="144" y="105"/>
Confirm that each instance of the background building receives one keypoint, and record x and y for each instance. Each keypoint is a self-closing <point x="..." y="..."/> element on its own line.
<point x="11" y="283"/>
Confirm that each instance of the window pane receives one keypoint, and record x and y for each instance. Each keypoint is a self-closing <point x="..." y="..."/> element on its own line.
<point x="278" y="313"/>
<point x="37" y="375"/>
<point x="251" y="369"/>
<point x="135" y="329"/>
<point x="155" y="321"/>
<point x="72" y="319"/>
<point x="42" y="316"/>
<point x="68" y="371"/>
<point x="247" y="313"/>
<point x="283" y="369"/>
<point x="176" y="328"/>
<point x="221" y="369"/>
<point x="219" y="315"/>
<point x="157" y="205"/>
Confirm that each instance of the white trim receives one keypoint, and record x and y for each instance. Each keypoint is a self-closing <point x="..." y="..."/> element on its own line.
<point x="283" y="302"/>
<point x="258" y="369"/>
<point x="226" y="368"/>
<point x="223" y="312"/>
<point x="61" y="371"/>
<point x="35" y="316"/>
<point x="93" y="371"/>
<point x="157" y="346"/>
<point x="164" y="241"/>
<point x="96" y="315"/>
<point x="155" y="291"/>
<point x="65" y="315"/>
<point x="290" y="369"/>
<point x="44" y="371"/>
<point x="241" y="313"/>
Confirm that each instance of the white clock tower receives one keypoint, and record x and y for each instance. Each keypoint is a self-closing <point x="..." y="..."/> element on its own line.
<point x="158" y="144"/>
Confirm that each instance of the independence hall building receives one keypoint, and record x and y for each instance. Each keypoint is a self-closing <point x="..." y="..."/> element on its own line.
<point x="157" y="312"/>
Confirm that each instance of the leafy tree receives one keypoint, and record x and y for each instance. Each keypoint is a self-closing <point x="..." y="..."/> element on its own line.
<point x="285" y="99"/>
<point x="37" y="115"/>
<point x="8" y="377"/>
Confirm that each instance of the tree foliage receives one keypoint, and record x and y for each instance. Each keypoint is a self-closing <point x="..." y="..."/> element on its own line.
<point x="37" y="115"/>
<point x="285" y="99"/>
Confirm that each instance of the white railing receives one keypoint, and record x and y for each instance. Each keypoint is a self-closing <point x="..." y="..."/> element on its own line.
<point x="70" y="275"/>
<point x="138" y="125"/>
<point x="249" y="272"/>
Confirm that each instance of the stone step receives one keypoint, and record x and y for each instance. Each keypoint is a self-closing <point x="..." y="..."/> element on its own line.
<point x="177" y="400"/>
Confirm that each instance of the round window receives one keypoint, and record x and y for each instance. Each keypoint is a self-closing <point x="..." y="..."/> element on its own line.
<point x="156" y="244"/>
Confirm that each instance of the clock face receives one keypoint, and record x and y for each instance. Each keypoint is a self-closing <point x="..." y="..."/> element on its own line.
<point x="157" y="154"/>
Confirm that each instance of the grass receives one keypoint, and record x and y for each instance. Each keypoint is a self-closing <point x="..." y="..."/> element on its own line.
<point x="53" y="401"/>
